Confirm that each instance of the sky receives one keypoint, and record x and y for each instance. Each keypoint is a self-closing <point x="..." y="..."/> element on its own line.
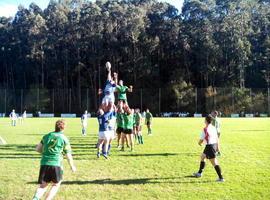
<point x="9" y="7"/>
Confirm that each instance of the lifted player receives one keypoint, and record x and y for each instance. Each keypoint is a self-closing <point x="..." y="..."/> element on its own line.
<point x="122" y="93"/>
<point x="108" y="92"/>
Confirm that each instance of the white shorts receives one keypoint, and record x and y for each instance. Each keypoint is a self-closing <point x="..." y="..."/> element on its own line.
<point x="84" y="124"/>
<point x="105" y="135"/>
<point x="108" y="99"/>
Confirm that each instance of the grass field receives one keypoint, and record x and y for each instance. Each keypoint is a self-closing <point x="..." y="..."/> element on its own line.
<point x="159" y="169"/>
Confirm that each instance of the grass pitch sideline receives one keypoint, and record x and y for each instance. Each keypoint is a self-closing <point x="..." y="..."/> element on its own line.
<point x="159" y="169"/>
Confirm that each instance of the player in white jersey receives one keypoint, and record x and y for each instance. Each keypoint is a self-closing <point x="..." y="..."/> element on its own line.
<point x="84" y="120"/>
<point x="108" y="92"/>
<point x="13" y="118"/>
<point x="210" y="138"/>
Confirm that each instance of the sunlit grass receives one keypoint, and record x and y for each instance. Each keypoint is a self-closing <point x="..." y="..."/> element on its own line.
<point x="159" y="169"/>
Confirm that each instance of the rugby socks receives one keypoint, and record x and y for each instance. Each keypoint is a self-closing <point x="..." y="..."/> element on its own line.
<point x="202" y="165"/>
<point x="218" y="170"/>
<point x="141" y="139"/>
<point x="39" y="193"/>
<point x="109" y="148"/>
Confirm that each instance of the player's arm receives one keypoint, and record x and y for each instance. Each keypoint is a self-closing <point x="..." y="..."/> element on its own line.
<point x="130" y="88"/>
<point x="67" y="151"/>
<point x="39" y="147"/>
<point x="70" y="162"/>
<point x="100" y="91"/>
<point x="200" y="142"/>
<point x="201" y="138"/>
<point x="115" y="78"/>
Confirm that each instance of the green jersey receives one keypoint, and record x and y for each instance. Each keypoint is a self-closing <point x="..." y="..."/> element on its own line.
<point x="128" y="119"/>
<point x="148" y="117"/>
<point x="120" y="120"/>
<point x="138" y="119"/>
<point x="122" y="92"/>
<point x="54" y="145"/>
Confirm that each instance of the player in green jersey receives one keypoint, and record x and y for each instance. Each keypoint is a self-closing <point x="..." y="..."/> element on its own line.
<point x="148" y="121"/>
<point x="52" y="147"/>
<point x="122" y="93"/>
<point x="120" y="126"/>
<point x="138" y="126"/>
<point x="128" y="127"/>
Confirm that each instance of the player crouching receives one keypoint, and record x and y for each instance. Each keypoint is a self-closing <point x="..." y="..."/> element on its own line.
<point x="210" y="137"/>
<point x="52" y="147"/>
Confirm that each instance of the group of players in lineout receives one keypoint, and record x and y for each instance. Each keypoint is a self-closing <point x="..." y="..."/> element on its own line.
<point x="53" y="145"/>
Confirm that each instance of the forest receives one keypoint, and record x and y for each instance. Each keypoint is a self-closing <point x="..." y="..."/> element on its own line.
<point x="151" y="44"/>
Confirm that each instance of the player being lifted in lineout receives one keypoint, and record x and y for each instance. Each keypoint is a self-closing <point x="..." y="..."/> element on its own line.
<point x="108" y="92"/>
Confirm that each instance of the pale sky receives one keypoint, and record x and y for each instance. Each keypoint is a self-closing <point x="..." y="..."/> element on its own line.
<point x="9" y="7"/>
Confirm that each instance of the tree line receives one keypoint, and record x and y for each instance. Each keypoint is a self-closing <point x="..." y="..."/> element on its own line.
<point x="151" y="44"/>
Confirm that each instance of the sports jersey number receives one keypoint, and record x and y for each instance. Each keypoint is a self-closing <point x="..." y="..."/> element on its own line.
<point x="52" y="143"/>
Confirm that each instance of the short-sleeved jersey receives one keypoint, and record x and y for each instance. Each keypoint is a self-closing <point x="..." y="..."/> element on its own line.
<point x="55" y="144"/>
<point x="109" y="88"/>
<point x="209" y="135"/>
<point x="138" y="119"/>
<point x="104" y="121"/>
<point x="120" y="120"/>
<point x="13" y="115"/>
<point x="84" y="117"/>
<point x="128" y="121"/>
<point x="216" y="123"/>
<point x="122" y="92"/>
<point x="148" y="116"/>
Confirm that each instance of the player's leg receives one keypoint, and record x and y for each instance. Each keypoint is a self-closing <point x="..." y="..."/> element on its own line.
<point x="53" y="191"/>
<point x="106" y="145"/>
<point x="40" y="191"/>
<point x="215" y="164"/>
<point x="202" y="166"/>
<point x="131" y="139"/>
<point x="99" y="146"/>
<point x="123" y="139"/>
<point x="140" y="137"/>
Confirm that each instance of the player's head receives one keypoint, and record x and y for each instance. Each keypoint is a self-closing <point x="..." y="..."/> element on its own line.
<point x="85" y="112"/>
<point x="214" y="113"/>
<point x="208" y="119"/>
<point x="60" y="125"/>
<point x="147" y="110"/>
<point x="121" y="82"/>
<point x="13" y="110"/>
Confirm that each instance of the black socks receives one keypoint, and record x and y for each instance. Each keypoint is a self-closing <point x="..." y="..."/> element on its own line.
<point x="218" y="170"/>
<point x="202" y="165"/>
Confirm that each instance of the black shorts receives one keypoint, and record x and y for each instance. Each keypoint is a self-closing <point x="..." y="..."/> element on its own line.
<point x="119" y="130"/>
<point x="49" y="174"/>
<point x="127" y="131"/>
<point x="123" y="100"/>
<point x="210" y="151"/>
<point x="148" y="123"/>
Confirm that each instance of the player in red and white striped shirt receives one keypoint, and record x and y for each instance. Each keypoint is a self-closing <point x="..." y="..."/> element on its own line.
<point x="209" y="136"/>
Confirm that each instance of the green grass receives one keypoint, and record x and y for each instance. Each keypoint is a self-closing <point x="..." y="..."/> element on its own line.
<point x="159" y="169"/>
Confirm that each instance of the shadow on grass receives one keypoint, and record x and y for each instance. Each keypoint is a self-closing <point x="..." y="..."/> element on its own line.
<point x="159" y="154"/>
<point x="139" y="181"/>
